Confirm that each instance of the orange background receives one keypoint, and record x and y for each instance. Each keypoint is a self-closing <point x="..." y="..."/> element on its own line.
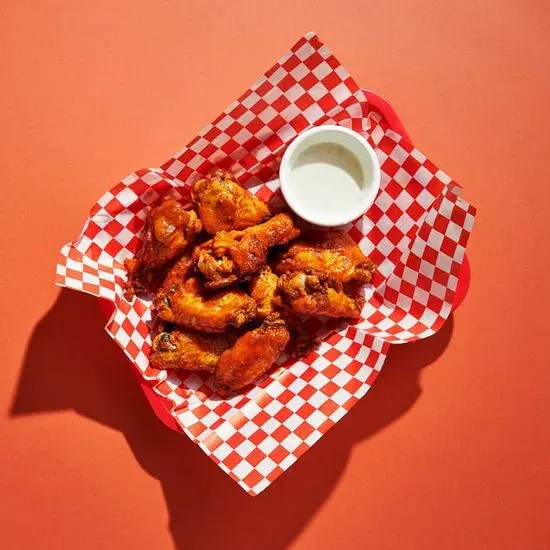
<point x="451" y="447"/>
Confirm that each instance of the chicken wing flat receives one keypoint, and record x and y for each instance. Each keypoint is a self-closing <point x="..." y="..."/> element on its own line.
<point x="252" y="355"/>
<point x="169" y="230"/>
<point x="315" y="293"/>
<point x="187" y="349"/>
<point x="332" y="252"/>
<point x="223" y="205"/>
<point x="190" y="305"/>
<point x="235" y="255"/>
<point x="263" y="288"/>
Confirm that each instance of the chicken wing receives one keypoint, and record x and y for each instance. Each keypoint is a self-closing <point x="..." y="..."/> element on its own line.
<point x="263" y="288"/>
<point x="235" y="255"/>
<point x="315" y="293"/>
<point x="169" y="230"/>
<point x="333" y="252"/>
<point x="187" y="349"/>
<point x="252" y="355"/>
<point x="192" y="306"/>
<point x="179" y="272"/>
<point x="223" y="205"/>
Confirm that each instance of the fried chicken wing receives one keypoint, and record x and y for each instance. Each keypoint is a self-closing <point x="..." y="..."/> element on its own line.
<point x="223" y="205"/>
<point x="169" y="230"/>
<point x="315" y="293"/>
<point x="263" y="288"/>
<point x="252" y="355"/>
<point x="332" y="252"/>
<point x="192" y="306"/>
<point x="179" y="272"/>
<point x="235" y="255"/>
<point x="187" y="349"/>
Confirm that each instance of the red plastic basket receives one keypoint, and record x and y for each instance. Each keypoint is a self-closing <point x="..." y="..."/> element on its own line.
<point x="387" y="111"/>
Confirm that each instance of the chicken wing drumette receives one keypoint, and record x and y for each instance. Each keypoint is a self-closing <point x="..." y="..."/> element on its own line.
<point x="315" y="293"/>
<point x="169" y="231"/>
<point x="333" y="252"/>
<point x="232" y="256"/>
<point x="191" y="305"/>
<point x="252" y="355"/>
<point x="223" y="205"/>
<point x="186" y="349"/>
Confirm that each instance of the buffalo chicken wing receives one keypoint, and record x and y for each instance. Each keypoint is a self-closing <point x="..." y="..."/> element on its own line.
<point x="232" y="256"/>
<point x="252" y="355"/>
<point x="179" y="272"/>
<point x="169" y="231"/>
<point x="190" y="305"/>
<point x="314" y="293"/>
<point x="333" y="253"/>
<point x="190" y="350"/>
<point x="223" y="205"/>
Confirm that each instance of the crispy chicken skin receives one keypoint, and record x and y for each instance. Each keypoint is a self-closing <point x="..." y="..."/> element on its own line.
<point x="180" y="271"/>
<point x="223" y="205"/>
<point x="187" y="349"/>
<point x="232" y="256"/>
<point x="315" y="293"/>
<point x="252" y="355"/>
<point x="190" y="305"/>
<point x="333" y="252"/>
<point x="169" y="230"/>
<point x="263" y="288"/>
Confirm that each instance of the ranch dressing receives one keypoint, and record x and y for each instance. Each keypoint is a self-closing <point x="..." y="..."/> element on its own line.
<point x="328" y="178"/>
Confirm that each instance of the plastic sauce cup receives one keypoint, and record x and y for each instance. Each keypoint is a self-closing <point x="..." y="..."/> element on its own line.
<point x="329" y="175"/>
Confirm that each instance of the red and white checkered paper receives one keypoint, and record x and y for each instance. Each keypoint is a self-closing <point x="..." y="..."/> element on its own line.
<point x="416" y="232"/>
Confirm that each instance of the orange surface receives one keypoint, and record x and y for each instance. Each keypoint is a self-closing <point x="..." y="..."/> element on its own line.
<point x="448" y="451"/>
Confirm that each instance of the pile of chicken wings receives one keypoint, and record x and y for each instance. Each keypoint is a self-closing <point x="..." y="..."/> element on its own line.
<point x="231" y="280"/>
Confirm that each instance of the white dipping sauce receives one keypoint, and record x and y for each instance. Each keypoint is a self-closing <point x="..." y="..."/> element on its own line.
<point x="328" y="178"/>
<point x="329" y="175"/>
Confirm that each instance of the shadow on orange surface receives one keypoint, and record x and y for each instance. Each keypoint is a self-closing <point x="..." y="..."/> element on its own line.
<point x="75" y="365"/>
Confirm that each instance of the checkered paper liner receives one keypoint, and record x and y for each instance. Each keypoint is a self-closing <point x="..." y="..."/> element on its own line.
<point x="416" y="232"/>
